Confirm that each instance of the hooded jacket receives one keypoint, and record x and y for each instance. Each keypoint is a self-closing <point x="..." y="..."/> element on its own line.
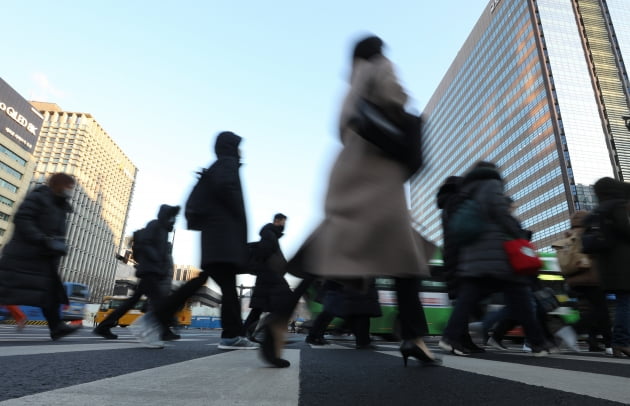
<point x="613" y="196"/>
<point x="152" y="251"/>
<point x="224" y="230"/>
<point x="486" y="257"/>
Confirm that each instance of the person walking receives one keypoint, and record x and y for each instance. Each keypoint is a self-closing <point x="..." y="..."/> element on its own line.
<point x="581" y="275"/>
<point x="268" y="263"/>
<point x="447" y="201"/>
<point x="612" y="264"/>
<point x="30" y="260"/>
<point x="223" y="251"/>
<point x="483" y="265"/>
<point x="152" y="251"/>
<point x="354" y="306"/>
<point x="367" y="227"/>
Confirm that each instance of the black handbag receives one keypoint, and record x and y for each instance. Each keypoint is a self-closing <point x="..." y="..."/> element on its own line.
<point x="400" y="138"/>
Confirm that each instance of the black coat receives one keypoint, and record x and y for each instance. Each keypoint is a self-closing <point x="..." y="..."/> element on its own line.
<point x="224" y="230"/>
<point x="28" y="268"/>
<point x="153" y="248"/>
<point x="271" y="290"/>
<point x="486" y="256"/>
<point x="447" y="200"/>
<point x="614" y="264"/>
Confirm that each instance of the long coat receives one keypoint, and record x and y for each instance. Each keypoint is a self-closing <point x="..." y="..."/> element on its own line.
<point x="486" y="257"/>
<point x="224" y="232"/>
<point x="271" y="291"/>
<point x="28" y="269"/>
<point x="614" y="264"/>
<point x="367" y="227"/>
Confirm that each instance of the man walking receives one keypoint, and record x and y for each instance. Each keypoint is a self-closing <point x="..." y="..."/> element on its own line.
<point x="223" y="226"/>
<point x="271" y="289"/>
<point x="152" y="251"/>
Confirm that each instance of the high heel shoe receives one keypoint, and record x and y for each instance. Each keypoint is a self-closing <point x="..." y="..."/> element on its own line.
<point x="410" y="349"/>
<point x="268" y="348"/>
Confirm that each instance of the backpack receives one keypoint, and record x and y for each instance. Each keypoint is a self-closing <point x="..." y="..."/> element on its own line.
<point x="571" y="259"/>
<point x="196" y="208"/>
<point x="466" y="223"/>
<point x="138" y="242"/>
<point x="594" y="239"/>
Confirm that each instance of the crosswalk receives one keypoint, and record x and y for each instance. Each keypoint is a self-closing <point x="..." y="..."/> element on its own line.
<point x="238" y="378"/>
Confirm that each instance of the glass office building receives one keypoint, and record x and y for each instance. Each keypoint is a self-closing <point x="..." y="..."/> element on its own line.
<point x="539" y="88"/>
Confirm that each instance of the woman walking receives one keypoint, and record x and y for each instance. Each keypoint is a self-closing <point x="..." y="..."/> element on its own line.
<point x="29" y="263"/>
<point x="367" y="227"/>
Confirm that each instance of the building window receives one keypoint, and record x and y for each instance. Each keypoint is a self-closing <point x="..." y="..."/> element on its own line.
<point x="4" y="216"/>
<point x="5" y="201"/>
<point x="6" y="151"/>
<point x="8" y="185"/>
<point x="6" y="168"/>
<point x="2" y="231"/>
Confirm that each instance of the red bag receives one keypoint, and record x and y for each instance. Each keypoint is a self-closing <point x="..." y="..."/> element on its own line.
<point x="523" y="257"/>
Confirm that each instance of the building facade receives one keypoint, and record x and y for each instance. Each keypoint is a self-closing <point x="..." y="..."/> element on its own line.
<point x="76" y="144"/>
<point x="20" y="124"/>
<point x="540" y="88"/>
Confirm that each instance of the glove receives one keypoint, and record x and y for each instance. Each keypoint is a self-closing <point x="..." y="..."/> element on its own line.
<point x="57" y="246"/>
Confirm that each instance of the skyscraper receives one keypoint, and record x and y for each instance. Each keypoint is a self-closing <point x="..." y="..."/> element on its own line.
<point x="75" y="143"/>
<point x="19" y="128"/>
<point x="540" y="88"/>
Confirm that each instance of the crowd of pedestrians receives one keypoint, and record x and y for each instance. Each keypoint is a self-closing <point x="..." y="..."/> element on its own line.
<point x="366" y="232"/>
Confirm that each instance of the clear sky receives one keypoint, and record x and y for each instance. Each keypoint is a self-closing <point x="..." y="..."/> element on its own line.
<point x="164" y="77"/>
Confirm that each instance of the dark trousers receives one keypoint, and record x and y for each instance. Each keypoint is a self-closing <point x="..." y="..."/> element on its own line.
<point x="410" y="312"/>
<point x="413" y="322"/>
<point x="517" y="297"/>
<point x="321" y="322"/>
<point x="594" y="318"/>
<point x="225" y="276"/>
<point x="150" y="285"/>
<point x="51" y="313"/>
<point x="252" y="319"/>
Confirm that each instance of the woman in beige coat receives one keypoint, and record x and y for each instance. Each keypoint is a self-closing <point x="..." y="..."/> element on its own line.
<point x="367" y="227"/>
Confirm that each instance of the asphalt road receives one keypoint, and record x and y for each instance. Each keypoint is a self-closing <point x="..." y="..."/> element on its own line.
<point x="84" y="369"/>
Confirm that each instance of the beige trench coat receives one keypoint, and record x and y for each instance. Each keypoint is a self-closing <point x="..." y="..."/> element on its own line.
<point x="367" y="227"/>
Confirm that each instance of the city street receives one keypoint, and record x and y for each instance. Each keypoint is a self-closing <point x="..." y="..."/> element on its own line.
<point x="87" y="370"/>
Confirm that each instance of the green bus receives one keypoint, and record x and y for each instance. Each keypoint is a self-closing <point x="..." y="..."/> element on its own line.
<point x="437" y="305"/>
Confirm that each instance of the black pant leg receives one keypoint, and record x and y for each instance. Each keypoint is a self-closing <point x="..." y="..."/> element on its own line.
<point x="112" y="319"/>
<point x="252" y="318"/>
<point x="225" y="276"/>
<point x="413" y="321"/>
<point x="169" y="305"/>
<point x="361" y="329"/>
<point x="519" y="299"/>
<point x="320" y="324"/>
<point x="468" y="295"/>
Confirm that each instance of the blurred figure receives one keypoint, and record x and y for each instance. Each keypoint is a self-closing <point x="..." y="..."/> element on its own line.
<point x="612" y="265"/>
<point x="354" y="306"/>
<point x="154" y="268"/>
<point x="268" y="264"/>
<point x="223" y="252"/>
<point x="30" y="260"/>
<point x="583" y="280"/>
<point x="448" y="198"/>
<point x="483" y="264"/>
<point x="18" y="315"/>
<point x="367" y="227"/>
